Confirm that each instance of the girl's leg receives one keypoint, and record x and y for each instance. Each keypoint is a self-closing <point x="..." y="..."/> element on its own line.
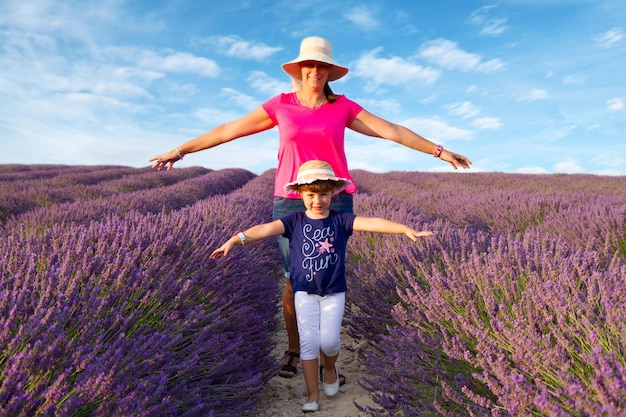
<point x="331" y="316"/>
<point x="328" y="363"/>
<point x="308" y="316"/>
<point x="309" y="368"/>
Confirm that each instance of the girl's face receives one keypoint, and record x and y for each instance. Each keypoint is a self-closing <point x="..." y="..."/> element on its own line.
<point x="317" y="204"/>
<point x="314" y="74"/>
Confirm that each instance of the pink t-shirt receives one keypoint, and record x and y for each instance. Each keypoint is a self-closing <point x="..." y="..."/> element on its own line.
<point x="307" y="134"/>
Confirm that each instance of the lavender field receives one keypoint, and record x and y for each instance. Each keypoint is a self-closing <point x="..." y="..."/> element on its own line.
<point x="111" y="305"/>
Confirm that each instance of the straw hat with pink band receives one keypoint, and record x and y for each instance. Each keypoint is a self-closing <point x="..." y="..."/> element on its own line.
<point x="316" y="170"/>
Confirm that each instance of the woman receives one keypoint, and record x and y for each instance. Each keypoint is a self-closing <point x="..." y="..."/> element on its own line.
<point x="311" y="122"/>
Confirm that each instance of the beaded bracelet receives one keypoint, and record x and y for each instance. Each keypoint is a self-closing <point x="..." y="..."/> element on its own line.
<point x="242" y="237"/>
<point x="438" y="151"/>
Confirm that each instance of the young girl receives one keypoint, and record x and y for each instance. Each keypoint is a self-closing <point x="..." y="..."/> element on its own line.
<point x="317" y="242"/>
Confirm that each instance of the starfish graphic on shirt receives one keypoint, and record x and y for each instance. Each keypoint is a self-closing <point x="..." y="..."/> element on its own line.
<point x="325" y="246"/>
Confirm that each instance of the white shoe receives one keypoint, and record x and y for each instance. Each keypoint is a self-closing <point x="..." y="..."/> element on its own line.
<point x="332" y="389"/>
<point x="310" y="407"/>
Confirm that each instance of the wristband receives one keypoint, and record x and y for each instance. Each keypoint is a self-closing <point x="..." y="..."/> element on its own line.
<point x="242" y="237"/>
<point x="438" y="151"/>
<point x="179" y="154"/>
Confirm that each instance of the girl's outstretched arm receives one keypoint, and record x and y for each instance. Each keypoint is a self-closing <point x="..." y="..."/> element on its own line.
<point x="378" y="225"/>
<point x="260" y="231"/>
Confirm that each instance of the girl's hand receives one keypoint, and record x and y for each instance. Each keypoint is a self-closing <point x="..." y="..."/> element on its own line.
<point x="222" y="250"/>
<point x="414" y="234"/>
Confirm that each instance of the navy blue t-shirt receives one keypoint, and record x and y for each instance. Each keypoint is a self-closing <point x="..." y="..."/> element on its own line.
<point x="317" y="251"/>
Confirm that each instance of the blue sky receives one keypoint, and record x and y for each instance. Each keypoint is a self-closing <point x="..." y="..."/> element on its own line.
<point x="520" y="86"/>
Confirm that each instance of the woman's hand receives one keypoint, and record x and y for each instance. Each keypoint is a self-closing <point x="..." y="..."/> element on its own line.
<point x="456" y="160"/>
<point x="165" y="160"/>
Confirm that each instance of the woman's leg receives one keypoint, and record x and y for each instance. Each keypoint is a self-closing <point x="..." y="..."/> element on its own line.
<point x="282" y="207"/>
<point x="289" y="313"/>
<point x="343" y="202"/>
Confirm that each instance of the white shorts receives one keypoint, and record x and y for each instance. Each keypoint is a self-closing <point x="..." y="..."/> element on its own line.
<point x="319" y="323"/>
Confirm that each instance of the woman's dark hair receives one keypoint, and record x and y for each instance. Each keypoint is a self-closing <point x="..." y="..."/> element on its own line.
<point x="330" y="96"/>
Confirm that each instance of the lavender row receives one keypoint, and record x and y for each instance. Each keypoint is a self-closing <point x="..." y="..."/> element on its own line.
<point x="69" y="184"/>
<point x="152" y="200"/>
<point x="475" y="183"/>
<point x="24" y="172"/>
<point x="146" y="178"/>
<point x="584" y="209"/>
<point x="474" y="322"/>
<point x="128" y="316"/>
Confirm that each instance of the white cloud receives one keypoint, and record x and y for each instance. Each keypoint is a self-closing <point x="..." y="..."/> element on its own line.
<point x="237" y="47"/>
<point x="240" y="99"/>
<point x="609" y="38"/>
<point x="615" y="104"/>
<point x="487" y="123"/>
<point x="535" y="94"/>
<point x="568" y="167"/>
<point x="127" y="73"/>
<point x="613" y="160"/>
<point x="119" y="89"/>
<point x="214" y="117"/>
<point x="362" y="17"/>
<point x="556" y="132"/>
<point x="491" y="26"/>
<point x="393" y="71"/>
<point x="437" y="130"/>
<point x="575" y="79"/>
<point x="66" y="18"/>
<point x="180" y="62"/>
<point x="464" y="110"/>
<point x="492" y="65"/>
<point x="255" y="153"/>
<point x="370" y="153"/>
<point x="385" y="107"/>
<point x="447" y="55"/>
<point x="267" y="85"/>
<point x="531" y="170"/>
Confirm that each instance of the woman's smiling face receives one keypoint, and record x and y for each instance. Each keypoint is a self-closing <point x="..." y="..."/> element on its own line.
<point x="314" y="73"/>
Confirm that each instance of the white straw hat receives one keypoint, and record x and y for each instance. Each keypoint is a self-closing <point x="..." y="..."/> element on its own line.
<point x="317" y="49"/>
<point x="316" y="170"/>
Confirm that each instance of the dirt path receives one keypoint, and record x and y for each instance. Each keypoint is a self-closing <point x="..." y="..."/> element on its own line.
<point x="284" y="396"/>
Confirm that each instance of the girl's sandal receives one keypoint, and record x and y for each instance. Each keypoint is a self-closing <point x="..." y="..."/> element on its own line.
<point x="289" y="370"/>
